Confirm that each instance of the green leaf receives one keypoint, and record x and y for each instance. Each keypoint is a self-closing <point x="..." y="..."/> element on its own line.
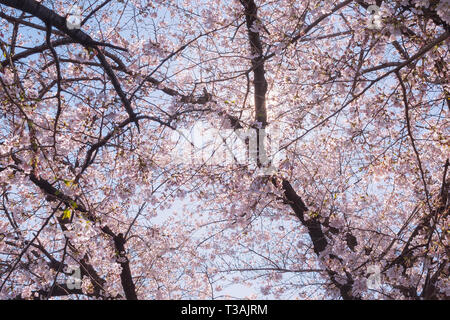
<point x="68" y="183"/>
<point x="73" y="204"/>
<point x="67" y="214"/>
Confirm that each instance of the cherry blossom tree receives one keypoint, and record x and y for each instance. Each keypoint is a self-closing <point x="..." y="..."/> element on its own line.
<point x="105" y="193"/>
